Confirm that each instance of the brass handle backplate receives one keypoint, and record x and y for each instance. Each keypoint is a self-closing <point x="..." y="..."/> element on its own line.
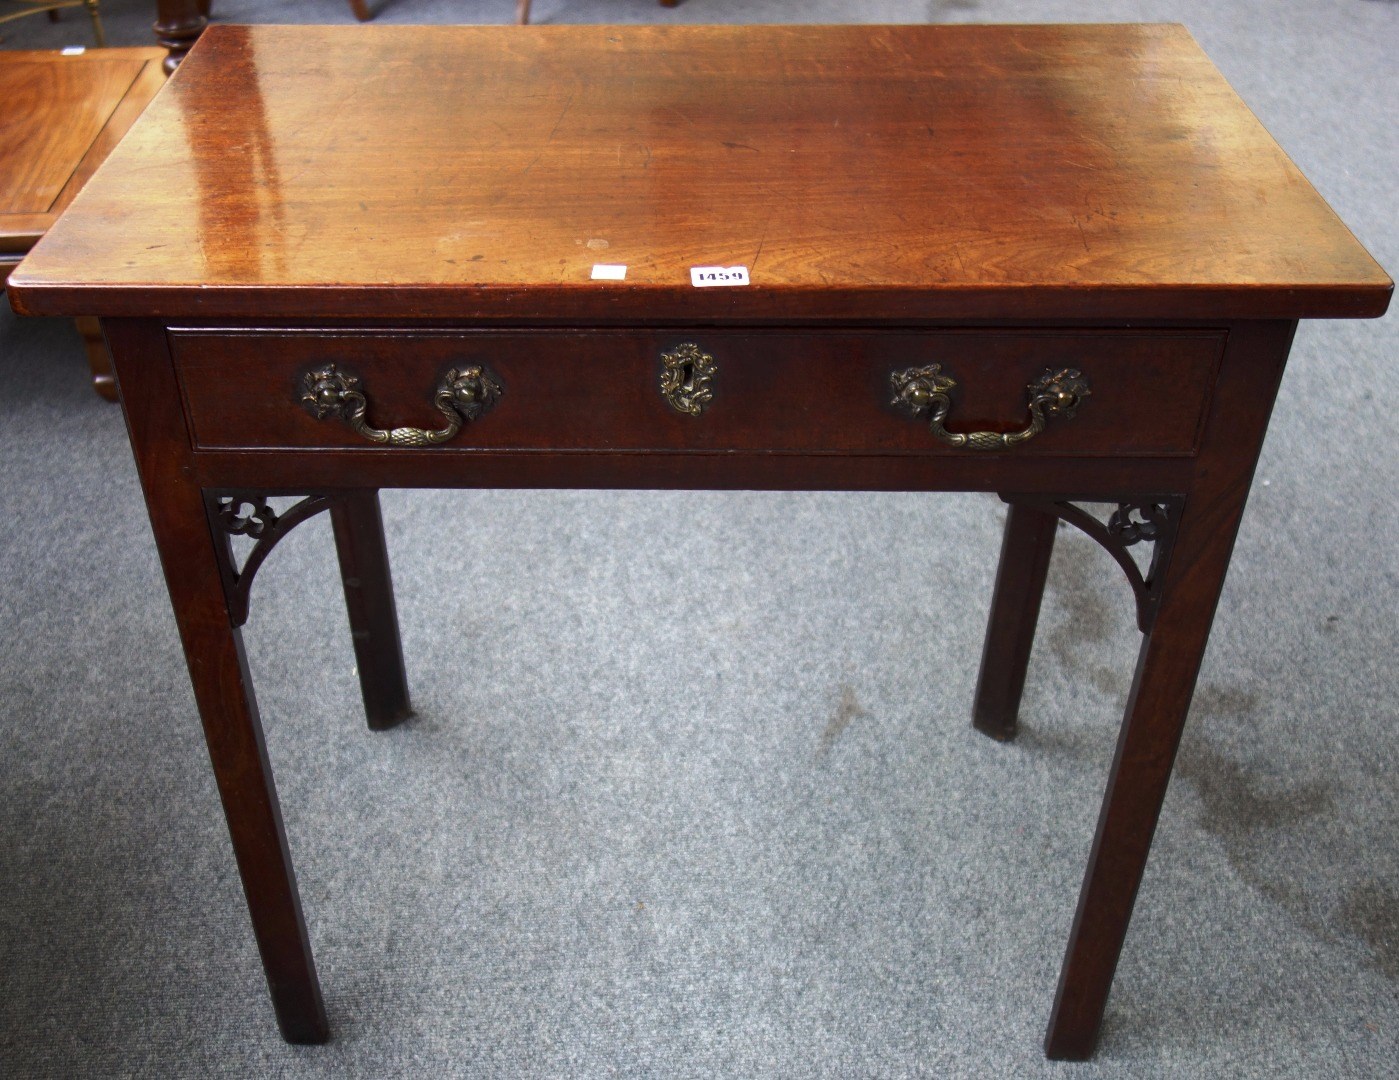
<point x="927" y="391"/>
<point x="463" y="394"/>
<point x="687" y="378"/>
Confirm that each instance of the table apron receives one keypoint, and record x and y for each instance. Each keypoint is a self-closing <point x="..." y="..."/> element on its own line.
<point x="326" y="470"/>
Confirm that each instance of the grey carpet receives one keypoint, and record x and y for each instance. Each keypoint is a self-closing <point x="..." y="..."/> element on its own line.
<point x="691" y="790"/>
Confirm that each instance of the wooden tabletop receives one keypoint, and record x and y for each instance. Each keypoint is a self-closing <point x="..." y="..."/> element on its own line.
<point x="62" y="114"/>
<point x="857" y="171"/>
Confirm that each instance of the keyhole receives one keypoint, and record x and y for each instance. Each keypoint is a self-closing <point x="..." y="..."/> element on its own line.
<point x="685" y="378"/>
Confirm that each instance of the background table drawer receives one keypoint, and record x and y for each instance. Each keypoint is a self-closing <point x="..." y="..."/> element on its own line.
<point x="816" y="390"/>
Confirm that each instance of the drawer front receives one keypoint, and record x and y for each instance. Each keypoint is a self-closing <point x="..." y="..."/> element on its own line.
<point x="800" y="391"/>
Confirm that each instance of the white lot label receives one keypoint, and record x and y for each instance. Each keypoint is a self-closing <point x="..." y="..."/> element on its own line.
<point x="704" y="277"/>
<point x="609" y="272"/>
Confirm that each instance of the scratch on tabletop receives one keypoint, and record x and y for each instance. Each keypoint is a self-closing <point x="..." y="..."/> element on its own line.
<point x="1081" y="234"/>
<point x="680" y="113"/>
<point x="557" y="123"/>
<point x="753" y="265"/>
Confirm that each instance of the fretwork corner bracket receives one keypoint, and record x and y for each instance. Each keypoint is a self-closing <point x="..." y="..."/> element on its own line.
<point x="1150" y="519"/>
<point x="248" y="513"/>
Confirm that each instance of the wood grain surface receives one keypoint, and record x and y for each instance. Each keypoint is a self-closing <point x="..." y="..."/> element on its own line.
<point x="858" y="172"/>
<point x="61" y="116"/>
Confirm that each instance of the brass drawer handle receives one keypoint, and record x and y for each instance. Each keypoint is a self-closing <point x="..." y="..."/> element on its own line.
<point x="687" y="378"/>
<point x="928" y="390"/>
<point x="463" y="394"/>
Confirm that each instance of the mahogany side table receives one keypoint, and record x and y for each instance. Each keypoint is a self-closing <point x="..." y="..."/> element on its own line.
<point x="1061" y="263"/>
<point x="62" y="115"/>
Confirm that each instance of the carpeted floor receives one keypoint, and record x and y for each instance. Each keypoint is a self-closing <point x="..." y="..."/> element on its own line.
<point x="691" y="790"/>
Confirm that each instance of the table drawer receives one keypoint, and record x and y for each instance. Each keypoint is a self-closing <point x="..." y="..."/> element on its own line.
<point x="803" y="391"/>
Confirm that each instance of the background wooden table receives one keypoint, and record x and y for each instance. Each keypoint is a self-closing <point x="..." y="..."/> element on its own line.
<point x="62" y="116"/>
<point x="180" y="22"/>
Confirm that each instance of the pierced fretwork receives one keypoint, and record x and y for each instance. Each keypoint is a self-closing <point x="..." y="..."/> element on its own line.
<point x="1150" y="519"/>
<point x="248" y="513"/>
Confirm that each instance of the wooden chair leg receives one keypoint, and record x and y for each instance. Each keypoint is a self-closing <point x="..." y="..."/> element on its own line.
<point x="364" y="570"/>
<point x="94" y="14"/>
<point x="1026" y="548"/>
<point x="99" y="360"/>
<point x="361" y="11"/>
<point x="178" y="25"/>
<point x="522" y="12"/>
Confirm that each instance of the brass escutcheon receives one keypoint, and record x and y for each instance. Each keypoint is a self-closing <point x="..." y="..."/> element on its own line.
<point x="687" y="378"/>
